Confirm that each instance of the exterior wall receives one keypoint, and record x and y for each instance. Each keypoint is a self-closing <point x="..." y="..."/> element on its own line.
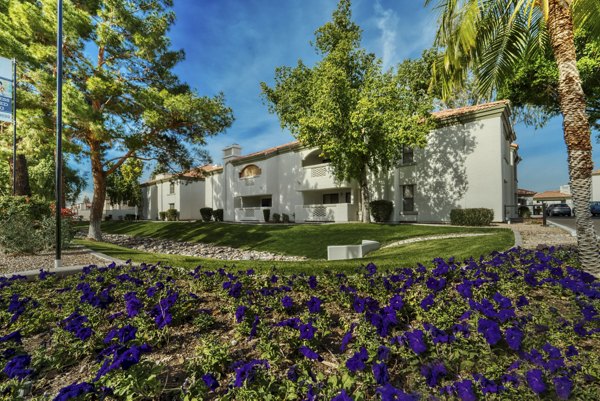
<point x="462" y="166"/>
<point x="596" y="188"/>
<point x="470" y="164"/>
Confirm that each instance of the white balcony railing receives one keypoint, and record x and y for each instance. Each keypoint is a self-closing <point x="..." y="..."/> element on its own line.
<point x="317" y="177"/>
<point x="250" y="213"/>
<point x="340" y="212"/>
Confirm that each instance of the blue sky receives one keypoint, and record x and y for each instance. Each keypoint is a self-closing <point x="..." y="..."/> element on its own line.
<point x="233" y="45"/>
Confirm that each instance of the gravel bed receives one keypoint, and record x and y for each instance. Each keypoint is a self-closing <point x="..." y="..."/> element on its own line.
<point x="74" y="256"/>
<point x="534" y="234"/>
<point x="196" y="249"/>
<point x="432" y="237"/>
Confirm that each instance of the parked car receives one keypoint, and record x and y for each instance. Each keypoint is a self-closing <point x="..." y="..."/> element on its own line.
<point x="595" y="208"/>
<point x="559" y="209"/>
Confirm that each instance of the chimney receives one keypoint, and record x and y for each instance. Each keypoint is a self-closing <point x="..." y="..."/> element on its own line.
<point x="231" y="152"/>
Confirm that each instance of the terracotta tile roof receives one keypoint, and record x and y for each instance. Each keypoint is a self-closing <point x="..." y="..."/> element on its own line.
<point x="269" y="151"/>
<point x="551" y="195"/>
<point x="198" y="172"/>
<point x="468" y="109"/>
<point x="525" y="192"/>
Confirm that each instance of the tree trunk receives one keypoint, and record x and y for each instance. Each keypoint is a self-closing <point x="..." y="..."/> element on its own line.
<point x="99" y="195"/>
<point x="365" y="198"/>
<point x="21" y="186"/>
<point x="576" y="130"/>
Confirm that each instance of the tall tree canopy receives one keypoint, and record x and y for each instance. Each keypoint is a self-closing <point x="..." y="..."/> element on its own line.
<point x="491" y="38"/>
<point x="359" y="116"/>
<point x="121" y="97"/>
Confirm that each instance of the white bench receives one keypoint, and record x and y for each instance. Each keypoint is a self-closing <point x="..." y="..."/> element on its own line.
<point x="341" y="252"/>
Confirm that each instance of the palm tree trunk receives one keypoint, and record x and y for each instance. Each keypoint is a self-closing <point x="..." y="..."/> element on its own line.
<point x="576" y="130"/>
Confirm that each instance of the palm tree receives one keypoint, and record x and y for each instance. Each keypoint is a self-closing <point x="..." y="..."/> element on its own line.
<point x="486" y="40"/>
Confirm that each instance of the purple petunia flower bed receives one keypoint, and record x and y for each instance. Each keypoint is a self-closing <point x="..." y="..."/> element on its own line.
<point x="518" y="325"/>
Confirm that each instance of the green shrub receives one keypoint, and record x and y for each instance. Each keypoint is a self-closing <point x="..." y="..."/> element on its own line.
<point x="217" y="214"/>
<point x="206" y="213"/>
<point x="471" y="217"/>
<point x="162" y="216"/>
<point x="266" y="214"/>
<point x="172" y="215"/>
<point x="130" y="217"/>
<point x="29" y="227"/>
<point x="108" y="217"/>
<point x="285" y="218"/>
<point x="524" y="212"/>
<point x="381" y="209"/>
<point x="276" y="218"/>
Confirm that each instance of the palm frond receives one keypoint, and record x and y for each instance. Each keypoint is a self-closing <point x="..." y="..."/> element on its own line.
<point x="586" y="15"/>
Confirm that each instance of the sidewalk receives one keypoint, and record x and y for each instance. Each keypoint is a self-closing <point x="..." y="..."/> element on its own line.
<point x="533" y="235"/>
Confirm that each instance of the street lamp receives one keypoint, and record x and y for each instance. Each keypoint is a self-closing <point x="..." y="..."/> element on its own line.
<point x="58" y="166"/>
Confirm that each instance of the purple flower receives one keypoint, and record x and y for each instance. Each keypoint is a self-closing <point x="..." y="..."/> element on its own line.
<point x="16" y="368"/>
<point x="312" y="282"/>
<point x="292" y="322"/>
<point x="123" y="358"/>
<point x="563" y="387"/>
<point x="427" y="302"/>
<point x="357" y="361"/>
<point x="358" y="304"/>
<point x="436" y="285"/>
<point x="124" y="334"/>
<point x="465" y="390"/>
<point x="571" y="351"/>
<point x="343" y="396"/>
<point x="309" y="353"/>
<point x="210" y="381"/>
<point x="307" y="331"/>
<point x="433" y="373"/>
<point x="134" y="305"/>
<point x="347" y="337"/>
<point x="464" y="289"/>
<point x="514" y="337"/>
<point x="383" y="353"/>
<point x="396" y="302"/>
<point x="416" y="341"/>
<point x="314" y="305"/>
<point x="292" y="373"/>
<point x="74" y="325"/>
<point x="536" y="381"/>
<point x="245" y="372"/>
<point x="73" y="391"/>
<point x="390" y="393"/>
<point x="490" y="330"/>
<point x="14" y="336"/>
<point x="239" y="313"/>
<point x="287" y="302"/>
<point x="380" y="372"/>
<point x="522" y="301"/>
<point x="161" y="311"/>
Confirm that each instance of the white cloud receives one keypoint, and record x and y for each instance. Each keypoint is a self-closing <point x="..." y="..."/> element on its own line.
<point x="387" y="22"/>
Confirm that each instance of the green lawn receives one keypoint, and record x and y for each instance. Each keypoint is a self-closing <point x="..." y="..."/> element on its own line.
<point x="307" y="240"/>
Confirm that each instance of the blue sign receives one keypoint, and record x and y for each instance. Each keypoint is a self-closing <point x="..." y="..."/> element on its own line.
<point x="6" y="90"/>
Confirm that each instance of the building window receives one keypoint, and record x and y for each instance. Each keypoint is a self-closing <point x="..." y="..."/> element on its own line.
<point x="265" y="202"/>
<point x="348" y="197"/>
<point x="171" y="188"/>
<point x="408" y="155"/>
<point x="171" y="206"/>
<point x="331" y="198"/>
<point x="408" y="198"/>
<point x="251" y="170"/>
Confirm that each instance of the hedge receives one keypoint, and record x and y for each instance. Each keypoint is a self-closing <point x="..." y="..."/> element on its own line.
<point x="471" y="217"/>
<point x="381" y="209"/>
<point x="206" y="213"/>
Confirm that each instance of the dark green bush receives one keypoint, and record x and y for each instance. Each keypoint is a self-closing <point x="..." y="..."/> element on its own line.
<point x="217" y="214"/>
<point x="162" y="216"/>
<point x="266" y="214"/>
<point x="471" y="217"/>
<point x="130" y="217"/>
<point x="276" y="218"/>
<point x="206" y="213"/>
<point x="285" y="218"/>
<point x="524" y="212"/>
<point x="381" y="209"/>
<point x="172" y="215"/>
<point x="28" y="225"/>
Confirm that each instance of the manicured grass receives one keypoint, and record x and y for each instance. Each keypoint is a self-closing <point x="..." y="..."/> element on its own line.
<point x="400" y="256"/>
<point x="299" y="239"/>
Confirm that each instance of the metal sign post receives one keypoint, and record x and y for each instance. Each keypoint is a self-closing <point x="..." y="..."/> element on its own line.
<point x="58" y="167"/>
<point x="14" y="112"/>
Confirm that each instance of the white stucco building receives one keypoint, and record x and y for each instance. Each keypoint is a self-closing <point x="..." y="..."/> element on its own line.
<point x="469" y="162"/>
